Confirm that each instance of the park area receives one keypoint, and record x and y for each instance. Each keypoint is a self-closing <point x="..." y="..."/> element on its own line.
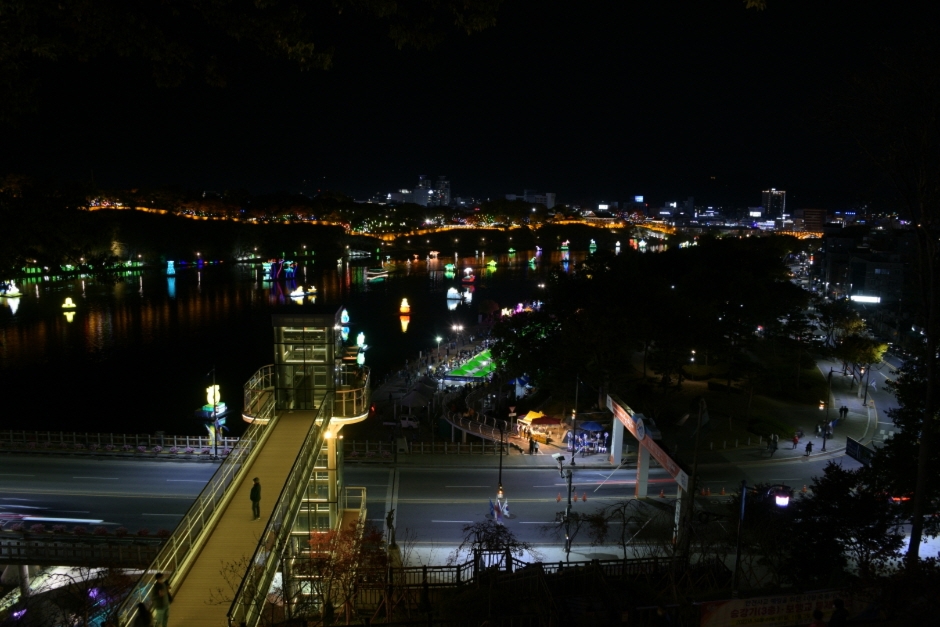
<point x="479" y="366"/>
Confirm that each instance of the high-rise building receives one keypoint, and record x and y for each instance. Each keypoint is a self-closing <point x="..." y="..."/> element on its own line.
<point x="774" y="202"/>
<point x="441" y="194"/>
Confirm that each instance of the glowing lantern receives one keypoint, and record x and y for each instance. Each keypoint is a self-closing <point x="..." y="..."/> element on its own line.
<point x="361" y="339"/>
<point x="405" y="307"/>
<point x="404" y="323"/>
<point x="68" y="304"/>
<point x="344" y="318"/>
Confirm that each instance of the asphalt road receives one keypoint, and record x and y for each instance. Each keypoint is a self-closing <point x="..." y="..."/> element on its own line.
<point x="72" y="491"/>
<point x="432" y="504"/>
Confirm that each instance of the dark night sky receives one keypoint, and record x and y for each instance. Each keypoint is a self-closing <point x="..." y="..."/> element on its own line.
<point x="592" y="100"/>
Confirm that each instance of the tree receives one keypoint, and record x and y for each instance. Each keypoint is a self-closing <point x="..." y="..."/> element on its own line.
<point x="488" y="536"/>
<point x="180" y="39"/>
<point x="892" y="113"/>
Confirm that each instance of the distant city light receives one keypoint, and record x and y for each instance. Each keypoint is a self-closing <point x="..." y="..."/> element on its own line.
<point x="865" y="299"/>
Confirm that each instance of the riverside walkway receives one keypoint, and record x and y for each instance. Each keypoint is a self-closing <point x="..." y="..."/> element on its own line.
<point x="204" y="596"/>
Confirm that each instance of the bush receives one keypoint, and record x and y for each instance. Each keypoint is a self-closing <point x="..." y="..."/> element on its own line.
<point x="78" y="446"/>
<point x="226" y="451"/>
<point x="189" y="450"/>
<point x="64" y="445"/>
<point x="37" y="528"/>
<point x="143" y="533"/>
<point x="157" y="448"/>
<point x="206" y="451"/>
<point x="47" y="444"/>
<point x="120" y="532"/>
<point x="18" y="527"/>
<point x="59" y="528"/>
<point x="92" y="447"/>
<point x="100" y="530"/>
<point x="174" y="450"/>
<point x="80" y="530"/>
<point x="141" y="449"/>
<point x="30" y="445"/>
<point x="109" y="447"/>
<point x="163" y="533"/>
<point x="127" y="447"/>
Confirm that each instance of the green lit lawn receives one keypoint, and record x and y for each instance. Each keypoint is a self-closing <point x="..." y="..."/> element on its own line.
<point x="480" y="366"/>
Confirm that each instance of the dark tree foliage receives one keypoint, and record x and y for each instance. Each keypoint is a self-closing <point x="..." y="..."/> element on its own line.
<point x="181" y="38"/>
<point x="710" y="298"/>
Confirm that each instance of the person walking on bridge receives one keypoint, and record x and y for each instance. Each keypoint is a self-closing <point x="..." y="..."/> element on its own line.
<point x="160" y="600"/>
<point x="256" y="499"/>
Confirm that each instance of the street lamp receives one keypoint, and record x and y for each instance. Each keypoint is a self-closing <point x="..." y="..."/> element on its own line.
<point x="781" y="494"/>
<point x="499" y="490"/>
<point x="438" y="338"/>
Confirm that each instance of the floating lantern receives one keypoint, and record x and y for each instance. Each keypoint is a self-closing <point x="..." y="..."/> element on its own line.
<point x="69" y="315"/>
<point x="68" y="304"/>
<point x="361" y="339"/>
<point x="344" y="319"/>
<point x="405" y="308"/>
<point x="344" y="331"/>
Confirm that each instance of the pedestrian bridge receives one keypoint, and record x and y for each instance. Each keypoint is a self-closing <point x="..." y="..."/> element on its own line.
<point x="220" y="563"/>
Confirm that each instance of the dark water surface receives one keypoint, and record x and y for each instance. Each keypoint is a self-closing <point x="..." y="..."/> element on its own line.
<point x="135" y="356"/>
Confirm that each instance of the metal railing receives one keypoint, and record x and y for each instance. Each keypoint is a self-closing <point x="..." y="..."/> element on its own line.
<point x="252" y="593"/>
<point x="353" y="394"/>
<point x="84" y="441"/>
<point x="178" y="551"/>
<point x="131" y="554"/>
<point x="259" y="394"/>
<point x="478" y="428"/>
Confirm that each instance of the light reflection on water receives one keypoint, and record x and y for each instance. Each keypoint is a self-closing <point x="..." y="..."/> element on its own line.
<point x="134" y="357"/>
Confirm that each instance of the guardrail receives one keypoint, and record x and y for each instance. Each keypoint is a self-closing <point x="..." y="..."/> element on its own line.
<point x="68" y="553"/>
<point x="251" y="595"/>
<point x="352" y="395"/>
<point x="179" y="549"/>
<point x="385" y="451"/>
<point x="38" y="440"/>
<point x="259" y="394"/>
<point x="478" y="428"/>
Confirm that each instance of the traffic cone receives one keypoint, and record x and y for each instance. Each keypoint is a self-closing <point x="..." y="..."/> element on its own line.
<point x="703" y="492"/>
<point x="584" y="496"/>
<point x="662" y="494"/>
<point x="722" y="491"/>
<point x="804" y="488"/>
<point x="558" y="498"/>
<point x="708" y="491"/>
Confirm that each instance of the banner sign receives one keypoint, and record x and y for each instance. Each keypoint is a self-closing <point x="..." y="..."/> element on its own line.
<point x="773" y="611"/>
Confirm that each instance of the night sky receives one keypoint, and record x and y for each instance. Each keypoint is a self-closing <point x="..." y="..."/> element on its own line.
<point x="592" y="100"/>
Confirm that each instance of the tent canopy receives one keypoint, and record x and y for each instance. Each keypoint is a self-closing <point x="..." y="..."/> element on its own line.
<point x="532" y="415"/>
<point x="590" y="425"/>
<point x="546" y="420"/>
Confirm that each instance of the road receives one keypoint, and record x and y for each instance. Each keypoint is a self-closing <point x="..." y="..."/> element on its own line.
<point x="112" y="492"/>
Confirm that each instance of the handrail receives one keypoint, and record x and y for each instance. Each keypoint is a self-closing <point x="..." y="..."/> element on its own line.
<point x="250" y="598"/>
<point x="473" y="426"/>
<point x="352" y="402"/>
<point x="260" y="382"/>
<point x="177" y="553"/>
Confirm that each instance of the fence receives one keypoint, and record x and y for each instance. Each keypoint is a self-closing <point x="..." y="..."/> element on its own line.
<point x="476" y="427"/>
<point x="354" y="450"/>
<point x="132" y="554"/>
<point x="31" y="440"/>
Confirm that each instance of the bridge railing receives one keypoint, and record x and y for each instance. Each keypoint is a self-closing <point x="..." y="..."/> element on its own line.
<point x="114" y="555"/>
<point x="259" y="394"/>
<point x="184" y="544"/>
<point x="478" y="428"/>
<point x="251" y="596"/>
<point x="352" y="395"/>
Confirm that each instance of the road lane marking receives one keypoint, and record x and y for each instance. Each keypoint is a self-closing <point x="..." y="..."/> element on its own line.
<point x="70" y="511"/>
<point x="146" y="514"/>
<point x="189" y="480"/>
<point x="105" y="478"/>
<point x="466" y="486"/>
<point x="452" y="521"/>
<point x="68" y="520"/>
<point x="13" y="474"/>
<point x="525" y="522"/>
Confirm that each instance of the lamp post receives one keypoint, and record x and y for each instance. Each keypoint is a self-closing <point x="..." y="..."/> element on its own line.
<point x="574" y="421"/>
<point x="499" y="490"/>
<point x="781" y="494"/>
<point x="438" y="338"/>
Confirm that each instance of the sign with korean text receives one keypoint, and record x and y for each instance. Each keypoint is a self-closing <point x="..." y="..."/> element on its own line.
<point x="772" y="611"/>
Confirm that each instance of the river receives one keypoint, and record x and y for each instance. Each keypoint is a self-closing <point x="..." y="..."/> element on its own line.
<point x="134" y="355"/>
